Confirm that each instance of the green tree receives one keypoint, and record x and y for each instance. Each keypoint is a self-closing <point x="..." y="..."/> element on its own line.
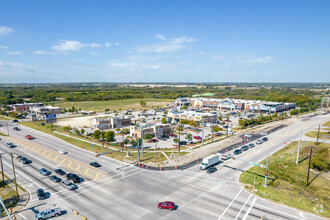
<point x="164" y="121"/>
<point x="107" y="109"/>
<point x="176" y="140"/>
<point x="97" y="134"/>
<point x="189" y="137"/>
<point x="143" y="103"/>
<point x="82" y="131"/>
<point x="184" y="107"/>
<point x="148" y="136"/>
<point x="109" y="136"/>
<point x="216" y="128"/>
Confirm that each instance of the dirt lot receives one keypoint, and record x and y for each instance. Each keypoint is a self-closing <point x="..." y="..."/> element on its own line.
<point x="78" y="122"/>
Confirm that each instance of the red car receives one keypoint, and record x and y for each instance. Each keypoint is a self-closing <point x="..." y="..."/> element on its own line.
<point x="29" y="137"/>
<point x="198" y="137"/>
<point x="172" y="135"/>
<point x="166" y="205"/>
<point x="154" y="140"/>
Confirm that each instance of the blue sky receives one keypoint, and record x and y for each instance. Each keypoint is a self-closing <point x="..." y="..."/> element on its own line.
<point x="164" y="41"/>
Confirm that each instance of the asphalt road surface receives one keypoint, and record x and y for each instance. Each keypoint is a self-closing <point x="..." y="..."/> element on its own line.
<point x="123" y="191"/>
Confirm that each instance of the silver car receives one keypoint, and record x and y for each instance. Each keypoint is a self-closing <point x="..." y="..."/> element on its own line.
<point x="69" y="185"/>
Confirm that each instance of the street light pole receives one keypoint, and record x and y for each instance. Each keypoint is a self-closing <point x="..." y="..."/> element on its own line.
<point x="309" y="164"/>
<point x="179" y="136"/>
<point x="318" y="133"/>
<point x="3" y="175"/>
<point x="202" y="131"/>
<point x="297" y="161"/>
<point x="7" y="128"/>
<point x="266" y="177"/>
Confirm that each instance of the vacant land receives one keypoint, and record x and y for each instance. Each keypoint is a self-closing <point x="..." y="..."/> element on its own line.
<point x="322" y="135"/>
<point x="327" y="124"/>
<point x="100" y="106"/>
<point x="287" y="180"/>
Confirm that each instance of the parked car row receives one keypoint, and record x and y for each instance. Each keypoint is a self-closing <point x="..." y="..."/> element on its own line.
<point x="251" y="145"/>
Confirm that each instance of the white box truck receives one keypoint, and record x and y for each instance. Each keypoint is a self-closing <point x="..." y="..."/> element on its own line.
<point x="209" y="161"/>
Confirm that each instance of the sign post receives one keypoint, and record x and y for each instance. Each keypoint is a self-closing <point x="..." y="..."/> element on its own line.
<point x="51" y="118"/>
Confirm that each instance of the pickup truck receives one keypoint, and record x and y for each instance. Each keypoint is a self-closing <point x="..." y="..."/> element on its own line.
<point x="48" y="213"/>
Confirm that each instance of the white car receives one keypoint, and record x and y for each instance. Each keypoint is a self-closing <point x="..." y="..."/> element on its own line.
<point x="264" y="133"/>
<point x="248" y="135"/>
<point x="226" y="156"/>
<point x="62" y="151"/>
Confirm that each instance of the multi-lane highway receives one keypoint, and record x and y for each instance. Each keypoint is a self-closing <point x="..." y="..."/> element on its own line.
<point x="122" y="191"/>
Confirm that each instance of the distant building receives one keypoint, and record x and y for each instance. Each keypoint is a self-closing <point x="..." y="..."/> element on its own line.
<point x="192" y="116"/>
<point x="156" y="130"/>
<point x="180" y="102"/>
<point x="25" y="107"/>
<point x="112" y="122"/>
<point x="42" y="111"/>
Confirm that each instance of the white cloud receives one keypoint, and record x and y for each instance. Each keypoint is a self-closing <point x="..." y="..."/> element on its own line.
<point x="123" y="65"/>
<point x="161" y="37"/>
<point x="168" y="46"/>
<point x="95" y="45"/>
<point x="5" y="30"/>
<point x="13" y="52"/>
<point x="3" y="47"/>
<point x="44" y="52"/>
<point x="266" y="59"/>
<point x="67" y="45"/>
<point x="15" y="68"/>
<point x="117" y="43"/>
<point x="107" y="44"/>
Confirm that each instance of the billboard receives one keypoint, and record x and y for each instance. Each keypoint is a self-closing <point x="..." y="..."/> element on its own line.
<point x="50" y="118"/>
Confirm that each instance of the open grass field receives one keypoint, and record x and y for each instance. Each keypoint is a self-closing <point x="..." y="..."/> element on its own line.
<point x="100" y="106"/>
<point x="287" y="181"/>
<point x="322" y="135"/>
<point x="327" y="124"/>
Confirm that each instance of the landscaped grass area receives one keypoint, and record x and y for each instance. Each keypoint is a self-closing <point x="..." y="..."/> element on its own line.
<point x="2" y="134"/>
<point x="100" y="106"/>
<point x="322" y="135"/>
<point x="327" y="124"/>
<point x="287" y="180"/>
<point x="3" y="118"/>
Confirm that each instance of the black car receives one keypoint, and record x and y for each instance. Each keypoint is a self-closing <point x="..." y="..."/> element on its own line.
<point x="60" y="172"/>
<point x="55" y="179"/>
<point x="95" y="164"/>
<point x="211" y="169"/>
<point x="16" y="129"/>
<point x="183" y="142"/>
<point x="265" y="139"/>
<point x="41" y="194"/>
<point x="73" y="177"/>
<point x="237" y="151"/>
<point x="15" y="120"/>
<point x="251" y="145"/>
<point x="244" y="148"/>
<point x="24" y="160"/>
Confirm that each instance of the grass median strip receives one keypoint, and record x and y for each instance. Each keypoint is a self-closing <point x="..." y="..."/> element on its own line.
<point x="287" y="180"/>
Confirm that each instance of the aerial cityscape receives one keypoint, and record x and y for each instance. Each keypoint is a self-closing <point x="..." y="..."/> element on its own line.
<point x="164" y="110"/>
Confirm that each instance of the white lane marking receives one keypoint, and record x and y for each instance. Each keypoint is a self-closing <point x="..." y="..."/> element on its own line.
<point x="248" y="211"/>
<point x="230" y="204"/>
<point x="302" y="215"/>
<point x="243" y="207"/>
<point x="22" y="216"/>
<point x="275" y="210"/>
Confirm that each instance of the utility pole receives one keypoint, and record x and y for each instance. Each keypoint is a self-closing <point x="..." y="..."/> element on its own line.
<point x="156" y="153"/>
<point x="179" y="136"/>
<point x="212" y="128"/>
<point x="142" y="141"/>
<point x="266" y="177"/>
<point x="202" y="131"/>
<point x="297" y="161"/>
<point x="138" y="147"/>
<point x="7" y="128"/>
<point x="3" y="175"/>
<point x="309" y="164"/>
<point x="318" y="133"/>
<point x="12" y="161"/>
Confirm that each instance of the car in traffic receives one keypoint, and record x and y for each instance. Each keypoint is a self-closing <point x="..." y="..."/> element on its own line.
<point x="211" y="169"/>
<point x="16" y="128"/>
<point x="226" y="156"/>
<point x="15" y="120"/>
<point x="264" y="139"/>
<point x="68" y="185"/>
<point x="62" y="151"/>
<point x="24" y="160"/>
<point x="48" y="213"/>
<point x="45" y="172"/>
<point x="41" y="194"/>
<point x="248" y="135"/>
<point x="237" y="151"/>
<point x="166" y="205"/>
<point x="55" y="179"/>
<point x="74" y="177"/>
<point x="183" y="142"/>
<point x="251" y="145"/>
<point x="244" y="148"/>
<point x="198" y="137"/>
<point x="10" y="145"/>
<point x="95" y="164"/>
<point x="154" y="140"/>
<point x="264" y="133"/>
<point x="29" y="137"/>
<point x="259" y="141"/>
<point x="60" y="172"/>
